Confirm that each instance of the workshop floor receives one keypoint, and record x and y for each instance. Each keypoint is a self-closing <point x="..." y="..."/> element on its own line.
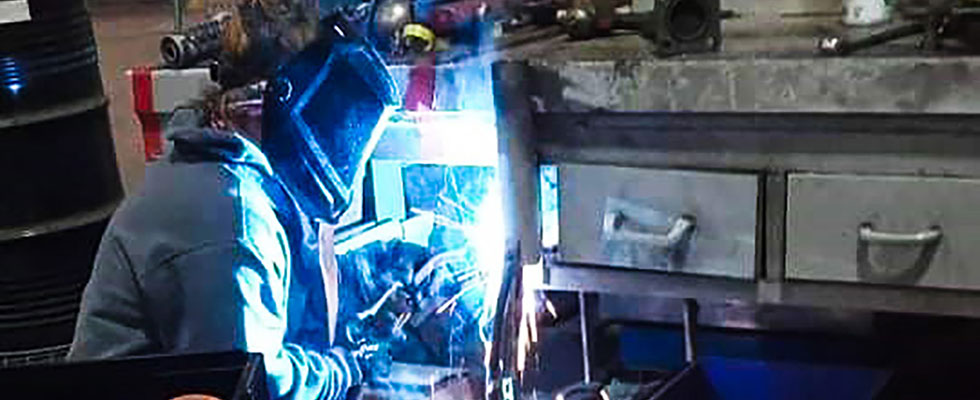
<point x="128" y="35"/>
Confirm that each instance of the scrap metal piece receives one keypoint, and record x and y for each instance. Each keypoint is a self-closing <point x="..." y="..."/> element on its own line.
<point x="839" y="46"/>
<point x="197" y="43"/>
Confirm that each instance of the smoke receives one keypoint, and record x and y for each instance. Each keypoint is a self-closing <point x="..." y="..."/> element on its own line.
<point x="452" y="176"/>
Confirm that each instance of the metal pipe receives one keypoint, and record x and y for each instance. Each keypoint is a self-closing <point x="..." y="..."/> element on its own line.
<point x="518" y="173"/>
<point x="584" y="328"/>
<point x="196" y="43"/>
<point x="499" y="368"/>
<point x="519" y="178"/>
<point x="178" y="15"/>
<point x="690" y="328"/>
<point x="839" y="46"/>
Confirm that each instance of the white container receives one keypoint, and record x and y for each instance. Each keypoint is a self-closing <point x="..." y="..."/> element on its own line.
<point x="866" y="12"/>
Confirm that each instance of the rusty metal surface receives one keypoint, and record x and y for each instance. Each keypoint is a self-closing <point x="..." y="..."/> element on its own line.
<point x="772" y="67"/>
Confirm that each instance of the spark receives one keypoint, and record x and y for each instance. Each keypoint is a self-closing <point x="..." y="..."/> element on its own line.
<point x="532" y="322"/>
<point x="403" y="318"/>
<point x="438" y="261"/>
<point x="488" y="349"/>
<point x="522" y="344"/>
<point x="452" y="300"/>
<point x="465" y="276"/>
<point x="533" y="278"/>
<point x="398" y="11"/>
<point x="548" y="305"/>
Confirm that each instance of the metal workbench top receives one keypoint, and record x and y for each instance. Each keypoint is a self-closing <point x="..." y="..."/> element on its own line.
<point x="764" y="67"/>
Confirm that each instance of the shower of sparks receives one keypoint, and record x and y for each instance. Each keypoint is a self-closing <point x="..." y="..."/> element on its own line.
<point x="458" y="134"/>
<point x="527" y="335"/>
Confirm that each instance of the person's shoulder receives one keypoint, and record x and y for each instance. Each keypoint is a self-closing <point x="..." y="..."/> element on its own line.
<point x="180" y="207"/>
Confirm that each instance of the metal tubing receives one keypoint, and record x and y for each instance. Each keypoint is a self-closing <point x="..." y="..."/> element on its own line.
<point x="678" y="232"/>
<point x="178" y="15"/>
<point x="690" y="328"/>
<point x="518" y="161"/>
<point x="868" y="234"/>
<point x="504" y="339"/>
<point x="840" y="46"/>
<point x="584" y="331"/>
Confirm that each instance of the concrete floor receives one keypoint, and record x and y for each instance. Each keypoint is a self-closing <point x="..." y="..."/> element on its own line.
<point x="128" y="35"/>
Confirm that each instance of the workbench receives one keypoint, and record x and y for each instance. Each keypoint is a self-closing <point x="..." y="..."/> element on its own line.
<point x="823" y="149"/>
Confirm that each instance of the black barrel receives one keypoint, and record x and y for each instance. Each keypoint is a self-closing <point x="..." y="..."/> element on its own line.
<point x="58" y="178"/>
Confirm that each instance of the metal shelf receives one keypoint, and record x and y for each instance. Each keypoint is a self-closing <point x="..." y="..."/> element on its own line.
<point x="647" y="283"/>
<point x="614" y="281"/>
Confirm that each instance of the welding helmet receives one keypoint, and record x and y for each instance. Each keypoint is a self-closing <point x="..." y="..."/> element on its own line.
<point x="323" y="113"/>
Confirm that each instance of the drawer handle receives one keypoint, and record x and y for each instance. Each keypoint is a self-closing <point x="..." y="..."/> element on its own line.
<point x="679" y="232"/>
<point x="868" y="234"/>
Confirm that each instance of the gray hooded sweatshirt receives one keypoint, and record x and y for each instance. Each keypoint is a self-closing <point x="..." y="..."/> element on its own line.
<point x="213" y="255"/>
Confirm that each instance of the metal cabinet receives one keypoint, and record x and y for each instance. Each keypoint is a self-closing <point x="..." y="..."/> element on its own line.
<point x="910" y="231"/>
<point x="668" y="220"/>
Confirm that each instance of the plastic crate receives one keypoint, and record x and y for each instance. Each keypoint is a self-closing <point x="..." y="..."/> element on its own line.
<point x="227" y="376"/>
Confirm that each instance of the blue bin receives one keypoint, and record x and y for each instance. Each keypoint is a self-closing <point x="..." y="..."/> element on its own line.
<point x="737" y="379"/>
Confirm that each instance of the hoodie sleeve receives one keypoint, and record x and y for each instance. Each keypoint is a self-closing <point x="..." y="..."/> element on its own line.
<point x="207" y="306"/>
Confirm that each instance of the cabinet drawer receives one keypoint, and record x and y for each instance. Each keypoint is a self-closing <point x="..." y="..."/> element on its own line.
<point x="910" y="231"/>
<point x="669" y="220"/>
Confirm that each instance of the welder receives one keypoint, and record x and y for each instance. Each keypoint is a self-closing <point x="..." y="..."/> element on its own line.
<point x="219" y="250"/>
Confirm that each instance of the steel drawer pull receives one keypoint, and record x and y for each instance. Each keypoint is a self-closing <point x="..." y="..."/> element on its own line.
<point x="678" y="232"/>
<point x="868" y="234"/>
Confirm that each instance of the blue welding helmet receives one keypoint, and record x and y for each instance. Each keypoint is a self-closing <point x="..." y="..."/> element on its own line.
<point x="323" y="114"/>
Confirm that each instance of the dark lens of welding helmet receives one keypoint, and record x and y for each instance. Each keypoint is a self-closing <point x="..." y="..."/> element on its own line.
<point x="323" y="116"/>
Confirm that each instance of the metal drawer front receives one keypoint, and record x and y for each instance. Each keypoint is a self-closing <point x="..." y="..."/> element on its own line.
<point x="909" y="231"/>
<point x="669" y="220"/>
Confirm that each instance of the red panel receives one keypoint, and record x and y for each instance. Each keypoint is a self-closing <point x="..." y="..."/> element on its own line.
<point x="149" y="119"/>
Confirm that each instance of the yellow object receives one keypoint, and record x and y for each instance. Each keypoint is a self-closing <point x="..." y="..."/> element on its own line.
<point x="421" y="33"/>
